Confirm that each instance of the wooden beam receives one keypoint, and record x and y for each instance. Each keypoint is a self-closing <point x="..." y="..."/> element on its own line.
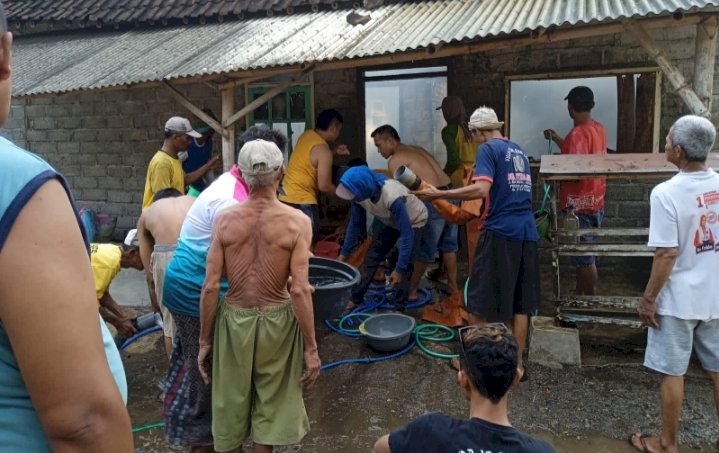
<point x="193" y="108"/>
<point x="262" y="99"/>
<point x="228" y="141"/>
<point x="626" y="130"/>
<point x="679" y="83"/>
<point x="704" y="60"/>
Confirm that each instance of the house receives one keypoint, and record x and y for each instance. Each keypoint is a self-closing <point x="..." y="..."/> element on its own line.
<point x="95" y="80"/>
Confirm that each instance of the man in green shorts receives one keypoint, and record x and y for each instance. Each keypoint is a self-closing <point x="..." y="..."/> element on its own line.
<point x="260" y="336"/>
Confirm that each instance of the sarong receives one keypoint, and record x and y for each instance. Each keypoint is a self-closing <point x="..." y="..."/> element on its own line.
<point x="256" y="369"/>
<point x="187" y="408"/>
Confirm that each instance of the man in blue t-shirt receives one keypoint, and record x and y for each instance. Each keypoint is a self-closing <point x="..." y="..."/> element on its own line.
<point x="199" y="163"/>
<point x="489" y="367"/>
<point x="504" y="283"/>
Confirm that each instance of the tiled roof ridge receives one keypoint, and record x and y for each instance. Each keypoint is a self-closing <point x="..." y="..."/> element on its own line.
<point x="28" y="14"/>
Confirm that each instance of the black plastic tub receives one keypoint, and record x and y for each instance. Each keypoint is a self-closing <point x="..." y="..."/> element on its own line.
<point x="333" y="281"/>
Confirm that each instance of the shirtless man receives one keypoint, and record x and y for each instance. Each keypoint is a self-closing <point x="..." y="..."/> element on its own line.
<point x="437" y="234"/>
<point x="158" y="229"/>
<point x="261" y="331"/>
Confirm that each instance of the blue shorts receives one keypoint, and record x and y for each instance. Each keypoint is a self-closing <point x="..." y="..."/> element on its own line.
<point x="670" y="346"/>
<point x="436" y="235"/>
<point x="593" y="220"/>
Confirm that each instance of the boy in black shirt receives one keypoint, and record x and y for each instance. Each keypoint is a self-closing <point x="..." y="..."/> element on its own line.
<point x="488" y="356"/>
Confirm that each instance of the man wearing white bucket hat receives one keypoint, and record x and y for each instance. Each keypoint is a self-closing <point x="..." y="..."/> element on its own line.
<point x="504" y="283"/>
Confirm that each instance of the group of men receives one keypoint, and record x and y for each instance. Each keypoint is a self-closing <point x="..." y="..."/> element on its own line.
<point x="233" y="301"/>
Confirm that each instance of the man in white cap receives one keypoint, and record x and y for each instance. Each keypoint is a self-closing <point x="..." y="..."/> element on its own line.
<point x="504" y="282"/>
<point x="259" y="245"/>
<point x="106" y="261"/>
<point x="165" y="167"/>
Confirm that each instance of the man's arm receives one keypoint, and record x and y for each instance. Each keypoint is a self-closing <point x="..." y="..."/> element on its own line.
<point x="662" y="265"/>
<point x="200" y="172"/>
<point x="147" y="244"/>
<point x="323" y="156"/>
<point x="556" y="138"/>
<point x="301" y="295"/>
<point x="208" y="299"/>
<point x="382" y="445"/>
<point x="116" y="316"/>
<point x="356" y="229"/>
<point x="478" y="189"/>
<point x="48" y="308"/>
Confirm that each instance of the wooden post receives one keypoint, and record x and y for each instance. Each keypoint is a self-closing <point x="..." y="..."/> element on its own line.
<point x="228" y="140"/>
<point x="679" y="83"/>
<point x="625" y="116"/>
<point x="172" y="91"/>
<point x="704" y="57"/>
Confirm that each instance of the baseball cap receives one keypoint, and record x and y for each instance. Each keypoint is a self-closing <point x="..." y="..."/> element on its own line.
<point x="259" y="157"/>
<point x="344" y="193"/>
<point x="581" y="97"/>
<point x="202" y="127"/>
<point x="131" y="239"/>
<point x="182" y="125"/>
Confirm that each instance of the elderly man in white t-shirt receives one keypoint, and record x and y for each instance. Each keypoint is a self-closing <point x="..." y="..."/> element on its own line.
<point x="681" y="300"/>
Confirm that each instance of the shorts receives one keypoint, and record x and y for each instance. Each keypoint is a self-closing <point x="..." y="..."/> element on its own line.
<point x="505" y="278"/>
<point x="256" y="367"/>
<point x="670" y="346"/>
<point x="593" y="220"/>
<point x="437" y="235"/>
<point x="311" y="211"/>
<point x="161" y="257"/>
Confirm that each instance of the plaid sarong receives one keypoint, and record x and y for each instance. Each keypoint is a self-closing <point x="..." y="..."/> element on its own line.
<point x="188" y="401"/>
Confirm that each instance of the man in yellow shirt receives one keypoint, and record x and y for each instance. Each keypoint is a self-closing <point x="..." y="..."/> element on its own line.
<point x="106" y="261"/>
<point x="165" y="168"/>
<point x="310" y="167"/>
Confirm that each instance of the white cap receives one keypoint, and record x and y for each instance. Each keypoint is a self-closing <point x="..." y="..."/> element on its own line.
<point x="344" y="193"/>
<point x="259" y="157"/>
<point x="182" y="125"/>
<point x="484" y="118"/>
<point x="131" y="239"/>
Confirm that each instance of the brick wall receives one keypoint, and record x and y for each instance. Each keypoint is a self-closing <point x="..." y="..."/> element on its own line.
<point x="102" y="141"/>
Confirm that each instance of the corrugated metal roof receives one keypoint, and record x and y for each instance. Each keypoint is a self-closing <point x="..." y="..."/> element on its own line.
<point x="97" y="59"/>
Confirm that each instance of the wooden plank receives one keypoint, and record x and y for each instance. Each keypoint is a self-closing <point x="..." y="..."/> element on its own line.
<point x="193" y="108"/>
<point x="604" y="232"/>
<point x="591" y="249"/>
<point x="622" y="303"/>
<point x="625" y="113"/>
<point x="570" y="167"/>
<point x="579" y="319"/>
<point x="644" y="117"/>
<point x="228" y="141"/>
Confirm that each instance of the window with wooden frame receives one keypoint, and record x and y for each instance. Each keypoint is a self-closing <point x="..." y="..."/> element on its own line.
<point x="407" y="99"/>
<point x="627" y="103"/>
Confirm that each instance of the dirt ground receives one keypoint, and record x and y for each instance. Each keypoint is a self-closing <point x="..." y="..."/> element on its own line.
<point x="589" y="409"/>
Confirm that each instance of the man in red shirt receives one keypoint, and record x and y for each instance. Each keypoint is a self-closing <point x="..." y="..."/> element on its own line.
<point x="585" y="195"/>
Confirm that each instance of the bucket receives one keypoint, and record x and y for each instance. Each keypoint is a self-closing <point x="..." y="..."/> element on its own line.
<point x="333" y="281"/>
<point x="388" y="332"/>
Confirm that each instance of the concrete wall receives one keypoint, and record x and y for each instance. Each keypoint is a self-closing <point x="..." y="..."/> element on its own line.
<point x="102" y="141"/>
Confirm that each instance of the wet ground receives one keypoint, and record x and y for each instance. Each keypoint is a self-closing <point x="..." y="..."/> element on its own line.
<point x="587" y="409"/>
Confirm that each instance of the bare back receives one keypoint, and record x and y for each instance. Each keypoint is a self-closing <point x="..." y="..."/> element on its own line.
<point x="163" y="219"/>
<point x="263" y="242"/>
<point x="422" y="163"/>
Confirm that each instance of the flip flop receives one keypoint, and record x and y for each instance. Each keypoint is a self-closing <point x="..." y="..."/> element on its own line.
<point x="641" y="442"/>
